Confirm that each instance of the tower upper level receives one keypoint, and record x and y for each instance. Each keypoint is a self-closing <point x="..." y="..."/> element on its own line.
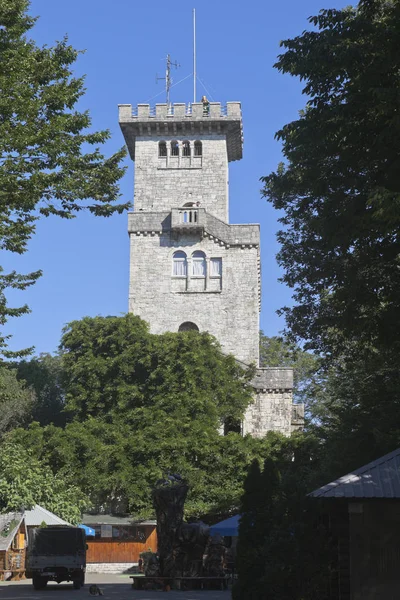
<point x="168" y="120"/>
<point x="181" y="154"/>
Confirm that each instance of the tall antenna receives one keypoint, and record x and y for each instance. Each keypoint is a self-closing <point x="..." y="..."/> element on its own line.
<point x="168" y="78"/>
<point x="194" y="55"/>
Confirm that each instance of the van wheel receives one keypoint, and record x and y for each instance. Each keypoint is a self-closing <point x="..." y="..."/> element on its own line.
<point x="77" y="584"/>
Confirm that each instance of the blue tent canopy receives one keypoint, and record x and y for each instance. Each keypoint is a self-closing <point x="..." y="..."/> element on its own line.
<point x="88" y="530"/>
<point x="227" y="527"/>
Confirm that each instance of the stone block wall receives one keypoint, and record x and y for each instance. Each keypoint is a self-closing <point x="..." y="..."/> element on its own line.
<point x="270" y="411"/>
<point x="229" y="311"/>
<point x="272" y="405"/>
<point x="162" y="184"/>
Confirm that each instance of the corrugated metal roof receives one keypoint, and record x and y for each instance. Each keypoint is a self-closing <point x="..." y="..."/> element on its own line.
<point x="5" y="521"/>
<point x="378" y="479"/>
<point x="37" y="515"/>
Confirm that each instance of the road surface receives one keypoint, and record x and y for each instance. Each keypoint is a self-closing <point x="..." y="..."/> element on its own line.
<point x="115" y="587"/>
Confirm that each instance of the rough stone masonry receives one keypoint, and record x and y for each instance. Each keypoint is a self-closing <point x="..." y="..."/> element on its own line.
<point x="189" y="267"/>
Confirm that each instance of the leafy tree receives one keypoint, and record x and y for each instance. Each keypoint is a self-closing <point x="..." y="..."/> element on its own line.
<point x="26" y="481"/>
<point x="16" y="400"/>
<point x="340" y="195"/>
<point x="141" y="405"/>
<point x="256" y="512"/>
<point x="43" y="375"/>
<point x="110" y="463"/>
<point x="361" y="420"/>
<point x="283" y="550"/>
<point x="339" y="189"/>
<point x="50" y="162"/>
<point x="113" y="366"/>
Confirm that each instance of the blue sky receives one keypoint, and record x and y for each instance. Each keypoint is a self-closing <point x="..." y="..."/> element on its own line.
<point x="85" y="261"/>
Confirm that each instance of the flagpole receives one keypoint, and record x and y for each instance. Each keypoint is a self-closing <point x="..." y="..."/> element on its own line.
<point x="194" y="55"/>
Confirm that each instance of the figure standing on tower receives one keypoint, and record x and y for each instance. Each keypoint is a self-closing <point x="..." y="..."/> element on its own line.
<point x="206" y="106"/>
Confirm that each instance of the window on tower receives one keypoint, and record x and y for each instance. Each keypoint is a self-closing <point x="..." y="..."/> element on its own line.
<point x="186" y="148"/>
<point x="216" y="267"/>
<point x="198" y="148"/>
<point x="162" y="149"/>
<point x="179" y="264"/>
<point x="174" y="148"/>
<point x="198" y="264"/>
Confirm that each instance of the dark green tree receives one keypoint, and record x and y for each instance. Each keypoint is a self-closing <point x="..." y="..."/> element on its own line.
<point x="50" y="162"/>
<point x="339" y="188"/>
<point x="284" y="552"/>
<point x="140" y="405"/>
<point x="256" y="515"/>
<point x="16" y="400"/>
<point x="114" y="367"/>
<point x="43" y="376"/>
<point x="339" y="192"/>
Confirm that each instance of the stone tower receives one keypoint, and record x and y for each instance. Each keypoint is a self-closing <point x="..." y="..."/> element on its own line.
<point x="189" y="267"/>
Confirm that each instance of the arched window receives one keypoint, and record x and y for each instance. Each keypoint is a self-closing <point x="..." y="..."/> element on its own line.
<point x="179" y="264"/>
<point x="186" y="148"/>
<point x="174" y="148"/>
<point x="162" y="149"/>
<point x="198" y="264"/>
<point x="188" y="326"/>
<point x="198" y="148"/>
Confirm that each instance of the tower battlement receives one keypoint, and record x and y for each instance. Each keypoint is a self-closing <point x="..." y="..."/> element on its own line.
<point x="183" y="120"/>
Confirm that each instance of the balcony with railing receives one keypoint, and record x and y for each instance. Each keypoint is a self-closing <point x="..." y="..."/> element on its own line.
<point x="188" y="218"/>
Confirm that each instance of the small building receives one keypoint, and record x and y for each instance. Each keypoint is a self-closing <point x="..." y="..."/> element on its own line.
<point x="118" y="542"/>
<point x="364" y="520"/>
<point x="12" y="546"/>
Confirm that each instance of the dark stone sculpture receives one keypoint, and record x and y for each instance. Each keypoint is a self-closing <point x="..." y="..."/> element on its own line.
<point x="180" y="545"/>
<point x="169" y="497"/>
<point x="151" y="565"/>
<point x="214" y="564"/>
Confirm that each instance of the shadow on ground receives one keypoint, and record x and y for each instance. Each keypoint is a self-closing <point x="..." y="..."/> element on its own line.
<point x="120" y="589"/>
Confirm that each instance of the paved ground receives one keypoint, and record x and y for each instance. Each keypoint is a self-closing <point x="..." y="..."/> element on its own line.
<point x="114" y="587"/>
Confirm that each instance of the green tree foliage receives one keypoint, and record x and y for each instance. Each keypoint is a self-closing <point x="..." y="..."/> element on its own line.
<point x="340" y="189"/>
<point x="114" y="367"/>
<point x="16" y="400"/>
<point x="339" y="192"/>
<point x="43" y="376"/>
<point x="283" y="550"/>
<point x="113" y="466"/>
<point x="140" y="405"/>
<point x="25" y="481"/>
<point x="50" y="162"/>
<point x="360" y="420"/>
<point x="256" y="514"/>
